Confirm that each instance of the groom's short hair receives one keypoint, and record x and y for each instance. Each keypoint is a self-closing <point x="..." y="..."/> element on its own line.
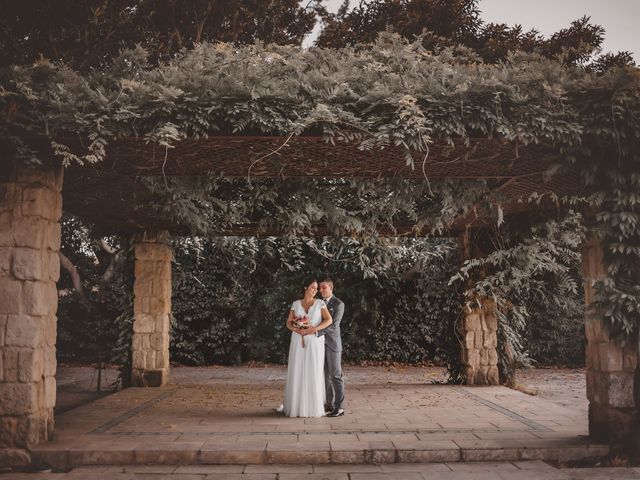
<point x="327" y="280"/>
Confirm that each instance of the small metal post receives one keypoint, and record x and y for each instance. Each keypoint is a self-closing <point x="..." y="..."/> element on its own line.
<point x="100" y="367"/>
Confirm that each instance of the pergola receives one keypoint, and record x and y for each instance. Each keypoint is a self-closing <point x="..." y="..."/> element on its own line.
<point x="381" y="90"/>
<point x="30" y="238"/>
<point x="515" y="172"/>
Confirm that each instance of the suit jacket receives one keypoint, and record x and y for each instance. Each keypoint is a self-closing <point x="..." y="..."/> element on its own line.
<point x="332" y="339"/>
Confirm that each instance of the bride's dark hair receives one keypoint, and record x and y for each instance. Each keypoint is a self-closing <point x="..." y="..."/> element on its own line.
<point x="308" y="281"/>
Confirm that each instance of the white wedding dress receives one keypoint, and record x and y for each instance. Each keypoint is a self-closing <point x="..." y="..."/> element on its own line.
<point x="304" y="393"/>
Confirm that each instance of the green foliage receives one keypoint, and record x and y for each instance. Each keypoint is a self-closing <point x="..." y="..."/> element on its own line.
<point x="458" y="22"/>
<point x="394" y="93"/>
<point x="452" y="22"/>
<point x="231" y="299"/>
<point x="231" y="296"/>
<point x="89" y="33"/>
<point x="388" y="93"/>
<point x="529" y="273"/>
<point x="121" y="351"/>
<point x="96" y="324"/>
<point x="356" y="208"/>
<point x="554" y="335"/>
<point x="208" y="312"/>
<point x="93" y="338"/>
<point x="612" y="152"/>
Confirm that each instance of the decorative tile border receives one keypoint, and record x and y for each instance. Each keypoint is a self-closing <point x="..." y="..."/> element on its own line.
<point x="106" y="427"/>
<point x="130" y="413"/>
<point x="504" y="411"/>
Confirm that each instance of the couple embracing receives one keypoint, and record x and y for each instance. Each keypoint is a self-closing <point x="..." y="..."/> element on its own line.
<point x="315" y="387"/>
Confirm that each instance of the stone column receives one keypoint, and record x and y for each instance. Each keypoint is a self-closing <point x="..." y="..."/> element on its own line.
<point x="480" y="343"/>
<point x="30" y="211"/>
<point x="151" y="309"/>
<point x="610" y="364"/>
<point x="479" y="325"/>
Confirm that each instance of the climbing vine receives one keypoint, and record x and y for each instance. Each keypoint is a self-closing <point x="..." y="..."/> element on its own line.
<point x="392" y="92"/>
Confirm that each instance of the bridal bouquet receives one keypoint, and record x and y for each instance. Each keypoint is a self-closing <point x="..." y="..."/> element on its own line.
<point x="301" y="323"/>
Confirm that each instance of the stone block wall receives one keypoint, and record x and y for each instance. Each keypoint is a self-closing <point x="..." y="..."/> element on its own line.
<point x="152" y="309"/>
<point x="611" y="364"/>
<point x="479" y="344"/>
<point x="30" y="211"/>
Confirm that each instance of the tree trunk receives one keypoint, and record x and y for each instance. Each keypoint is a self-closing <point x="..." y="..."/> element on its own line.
<point x="75" y="280"/>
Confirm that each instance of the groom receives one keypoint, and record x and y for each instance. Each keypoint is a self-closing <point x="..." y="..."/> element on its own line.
<point x="333" y="351"/>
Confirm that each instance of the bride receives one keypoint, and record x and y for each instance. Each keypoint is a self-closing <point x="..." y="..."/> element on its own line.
<point x="304" y="393"/>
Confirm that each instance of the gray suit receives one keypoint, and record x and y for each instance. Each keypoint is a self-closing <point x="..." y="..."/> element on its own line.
<point x="334" y="383"/>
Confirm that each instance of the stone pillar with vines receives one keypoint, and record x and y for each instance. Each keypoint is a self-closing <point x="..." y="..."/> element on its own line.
<point x="151" y="310"/>
<point x="611" y="362"/>
<point x="478" y="331"/>
<point x="480" y="341"/>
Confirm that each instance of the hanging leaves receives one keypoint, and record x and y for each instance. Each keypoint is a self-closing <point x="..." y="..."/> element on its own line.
<point x="391" y="92"/>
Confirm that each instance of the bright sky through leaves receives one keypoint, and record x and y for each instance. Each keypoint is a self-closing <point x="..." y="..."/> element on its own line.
<point x="618" y="17"/>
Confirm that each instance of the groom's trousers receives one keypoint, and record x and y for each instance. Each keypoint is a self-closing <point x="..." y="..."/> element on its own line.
<point x="333" y="381"/>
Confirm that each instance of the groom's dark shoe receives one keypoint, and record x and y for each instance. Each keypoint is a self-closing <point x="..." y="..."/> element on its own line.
<point x="336" y="412"/>
<point x="328" y="408"/>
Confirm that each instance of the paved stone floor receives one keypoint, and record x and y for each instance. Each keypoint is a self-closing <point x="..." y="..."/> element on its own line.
<point x="397" y="418"/>
<point x="226" y="416"/>
<point x="564" y="386"/>
<point x="530" y="470"/>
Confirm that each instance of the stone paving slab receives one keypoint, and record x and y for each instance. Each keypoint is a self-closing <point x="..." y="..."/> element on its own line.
<point x="299" y="453"/>
<point x="225" y="416"/>
<point x="533" y="470"/>
<point x="229" y="423"/>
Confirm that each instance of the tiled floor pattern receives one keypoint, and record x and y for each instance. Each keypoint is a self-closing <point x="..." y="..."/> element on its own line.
<point x="219" y="423"/>
<point x="531" y="470"/>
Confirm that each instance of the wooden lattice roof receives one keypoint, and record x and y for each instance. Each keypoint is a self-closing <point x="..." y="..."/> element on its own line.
<point x="111" y="195"/>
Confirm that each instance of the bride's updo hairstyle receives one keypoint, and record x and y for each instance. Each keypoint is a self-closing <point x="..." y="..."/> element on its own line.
<point x="306" y="282"/>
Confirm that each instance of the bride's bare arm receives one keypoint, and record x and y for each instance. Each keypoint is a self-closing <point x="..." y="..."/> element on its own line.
<point x="290" y="322"/>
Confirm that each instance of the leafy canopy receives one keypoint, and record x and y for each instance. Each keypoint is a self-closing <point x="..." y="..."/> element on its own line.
<point x="458" y="22"/>
<point x="88" y="34"/>
<point x="390" y="93"/>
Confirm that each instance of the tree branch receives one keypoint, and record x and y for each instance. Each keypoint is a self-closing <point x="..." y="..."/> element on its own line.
<point x="106" y="247"/>
<point x="75" y="280"/>
<point x="176" y="30"/>
<point x="111" y="269"/>
<point x="114" y="257"/>
<point x="200" y="24"/>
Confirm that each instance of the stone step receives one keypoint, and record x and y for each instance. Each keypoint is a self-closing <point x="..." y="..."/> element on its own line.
<point x="296" y="454"/>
